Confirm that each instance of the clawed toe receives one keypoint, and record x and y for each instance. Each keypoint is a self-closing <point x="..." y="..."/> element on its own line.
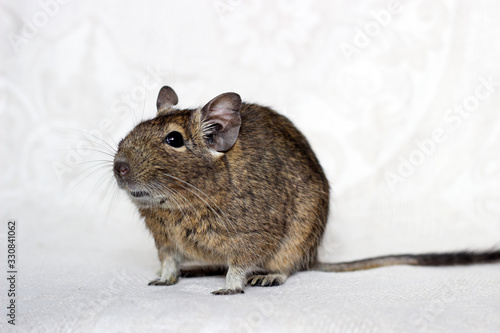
<point x="168" y="282"/>
<point x="269" y="280"/>
<point x="228" y="292"/>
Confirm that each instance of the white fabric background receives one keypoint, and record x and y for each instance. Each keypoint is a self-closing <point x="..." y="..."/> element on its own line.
<point x="74" y="73"/>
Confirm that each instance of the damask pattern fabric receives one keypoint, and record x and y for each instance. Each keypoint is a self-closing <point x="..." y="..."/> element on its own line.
<point x="399" y="99"/>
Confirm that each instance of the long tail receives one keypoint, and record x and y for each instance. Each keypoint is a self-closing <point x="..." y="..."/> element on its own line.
<point x="429" y="259"/>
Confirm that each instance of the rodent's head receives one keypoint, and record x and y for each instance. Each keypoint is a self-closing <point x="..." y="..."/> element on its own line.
<point x="162" y="157"/>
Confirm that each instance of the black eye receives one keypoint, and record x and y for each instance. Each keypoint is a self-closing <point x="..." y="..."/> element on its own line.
<point x="174" y="139"/>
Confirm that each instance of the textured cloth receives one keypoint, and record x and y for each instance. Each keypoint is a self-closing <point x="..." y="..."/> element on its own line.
<point x="400" y="101"/>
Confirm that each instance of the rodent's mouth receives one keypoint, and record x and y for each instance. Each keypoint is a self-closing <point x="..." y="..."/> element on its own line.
<point x="139" y="194"/>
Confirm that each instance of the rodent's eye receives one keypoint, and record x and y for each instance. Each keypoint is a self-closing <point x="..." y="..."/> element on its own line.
<point x="174" y="139"/>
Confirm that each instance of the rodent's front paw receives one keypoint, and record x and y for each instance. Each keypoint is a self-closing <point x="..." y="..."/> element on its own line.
<point x="164" y="282"/>
<point x="228" y="292"/>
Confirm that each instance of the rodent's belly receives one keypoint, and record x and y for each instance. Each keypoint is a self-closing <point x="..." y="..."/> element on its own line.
<point x="199" y="248"/>
<point x="217" y="239"/>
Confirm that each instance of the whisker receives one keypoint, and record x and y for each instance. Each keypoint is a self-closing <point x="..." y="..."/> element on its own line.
<point x="81" y="149"/>
<point x="170" y="194"/>
<point x="111" y="184"/>
<point x="206" y="203"/>
<point x="96" y="186"/>
<point x="107" y="145"/>
<point x="95" y="168"/>
<point x="98" y="162"/>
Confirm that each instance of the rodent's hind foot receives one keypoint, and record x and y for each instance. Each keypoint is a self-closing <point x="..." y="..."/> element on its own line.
<point x="268" y="280"/>
<point x="228" y="292"/>
<point x="167" y="282"/>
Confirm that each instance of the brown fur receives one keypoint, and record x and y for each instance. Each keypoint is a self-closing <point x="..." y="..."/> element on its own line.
<point x="261" y="205"/>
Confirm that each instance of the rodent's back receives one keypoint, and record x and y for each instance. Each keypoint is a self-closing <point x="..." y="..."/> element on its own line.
<point x="277" y="168"/>
<point x="278" y="145"/>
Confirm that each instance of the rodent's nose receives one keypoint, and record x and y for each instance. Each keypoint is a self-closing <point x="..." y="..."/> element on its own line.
<point x="122" y="168"/>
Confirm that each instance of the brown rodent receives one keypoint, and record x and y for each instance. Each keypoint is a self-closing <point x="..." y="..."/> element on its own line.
<point x="235" y="185"/>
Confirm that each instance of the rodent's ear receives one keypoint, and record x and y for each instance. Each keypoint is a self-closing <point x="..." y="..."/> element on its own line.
<point x="221" y="121"/>
<point x="166" y="99"/>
